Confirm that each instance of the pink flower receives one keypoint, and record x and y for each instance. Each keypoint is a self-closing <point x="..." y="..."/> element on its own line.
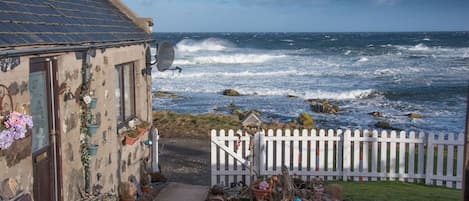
<point x="263" y="185"/>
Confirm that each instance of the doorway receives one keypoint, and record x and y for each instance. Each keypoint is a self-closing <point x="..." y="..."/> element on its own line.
<point x="43" y="108"/>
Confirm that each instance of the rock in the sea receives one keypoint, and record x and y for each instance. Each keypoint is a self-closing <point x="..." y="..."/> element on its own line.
<point x="383" y="125"/>
<point x="376" y="114"/>
<point x="323" y="106"/>
<point x="291" y="96"/>
<point x="230" y="92"/>
<point x="414" y="115"/>
<point x="306" y="120"/>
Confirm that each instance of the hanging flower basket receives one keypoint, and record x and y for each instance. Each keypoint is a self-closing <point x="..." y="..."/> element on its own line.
<point x="92" y="104"/>
<point x="92" y="149"/>
<point x="92" y="129"/>
<point x="13" y="127"/>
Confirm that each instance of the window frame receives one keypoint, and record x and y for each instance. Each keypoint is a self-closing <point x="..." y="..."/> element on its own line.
<point x="123" y="121"/>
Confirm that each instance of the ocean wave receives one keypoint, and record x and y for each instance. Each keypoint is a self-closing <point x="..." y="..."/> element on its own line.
<point x="287" y="40"/>
<point x="229" y="59"/>
<point x="363" y="59"/>
<point x="209" y="44"/>
<point x="344" y="95"/>
<point x="226" y="74"/>
<point x="269" y="91"/>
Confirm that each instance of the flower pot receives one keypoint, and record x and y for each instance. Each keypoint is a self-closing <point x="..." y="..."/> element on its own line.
<point x="92" y="149"/>
<point x="261" y="194"/>
<point x="130" y="140"/>
<point x="92" y="104"/>
<point x="92" y="129"/>
<point x="145" y="188"/>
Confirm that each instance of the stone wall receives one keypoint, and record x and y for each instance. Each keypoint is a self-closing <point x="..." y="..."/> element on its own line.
<point x="111" y="164"/>
<point x="114" y="162"/>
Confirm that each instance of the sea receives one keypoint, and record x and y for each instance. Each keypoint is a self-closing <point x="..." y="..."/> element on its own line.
<point x="393" y="73"/>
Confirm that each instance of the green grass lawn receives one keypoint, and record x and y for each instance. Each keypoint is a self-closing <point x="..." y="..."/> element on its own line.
<point x="396" y="191"/>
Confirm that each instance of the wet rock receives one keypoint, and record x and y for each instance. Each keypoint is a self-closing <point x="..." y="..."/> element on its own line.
<point x="376" y="114"/>
<point x="292" y="96"/>
<point x="306" y="120"/>
<point x="414" y="115"/>
<point x="383" y="125"/>
<point x="323" y="106"/>
<point x="231" y="92"/>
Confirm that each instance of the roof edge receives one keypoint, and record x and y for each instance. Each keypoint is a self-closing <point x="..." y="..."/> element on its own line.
<point x="144" y="23"/>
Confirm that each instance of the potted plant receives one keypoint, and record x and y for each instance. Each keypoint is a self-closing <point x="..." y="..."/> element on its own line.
<point x="92" y="149"/>
<point x="127" y="191"/>
<point x="262" y="190"/>
<point x="143" y="126"/>
<point x="13" y="127"/>
<point x="92" y="125"/>
<point x="90" y="101"/>
<point x="131" y="136"/>
<point x="145" y="185"/>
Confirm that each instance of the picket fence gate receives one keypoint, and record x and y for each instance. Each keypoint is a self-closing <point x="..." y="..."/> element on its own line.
<point x="350" y="155"/>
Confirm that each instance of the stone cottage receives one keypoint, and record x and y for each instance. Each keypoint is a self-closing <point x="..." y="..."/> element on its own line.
<point x="79" y="70"/>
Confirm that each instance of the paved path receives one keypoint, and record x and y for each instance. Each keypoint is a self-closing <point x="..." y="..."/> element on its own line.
<point x="186" y="192"/>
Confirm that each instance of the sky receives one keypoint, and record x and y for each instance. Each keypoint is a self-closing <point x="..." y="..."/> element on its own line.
<point x="304" y="15"/>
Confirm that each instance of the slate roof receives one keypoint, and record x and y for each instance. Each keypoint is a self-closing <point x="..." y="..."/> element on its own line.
<point x="53" y="22"/>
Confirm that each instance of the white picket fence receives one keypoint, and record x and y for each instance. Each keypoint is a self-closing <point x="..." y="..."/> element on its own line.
<point x="436" y="159"/>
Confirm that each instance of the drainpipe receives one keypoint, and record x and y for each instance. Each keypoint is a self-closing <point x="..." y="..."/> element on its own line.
<point x="53" y="132"/>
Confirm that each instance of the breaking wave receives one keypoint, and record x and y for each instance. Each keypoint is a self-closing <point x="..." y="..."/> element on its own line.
<point x="229" y="59"/>
<point x="209" y="44"/>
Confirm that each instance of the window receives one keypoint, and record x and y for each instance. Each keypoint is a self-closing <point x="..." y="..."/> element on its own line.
<point x="125" y="93"/>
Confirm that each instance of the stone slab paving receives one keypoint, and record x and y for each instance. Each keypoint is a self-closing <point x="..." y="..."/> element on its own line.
<point x="186" y="192"/>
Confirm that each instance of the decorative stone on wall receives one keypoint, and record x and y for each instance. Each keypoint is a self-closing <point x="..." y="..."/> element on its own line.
<point x="69" y="151"/>
<point x="8" y="64"/>
<point x="71" y="122"/>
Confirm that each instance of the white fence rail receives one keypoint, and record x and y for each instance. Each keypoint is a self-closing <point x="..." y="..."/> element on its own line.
<point x="340" y="155"/>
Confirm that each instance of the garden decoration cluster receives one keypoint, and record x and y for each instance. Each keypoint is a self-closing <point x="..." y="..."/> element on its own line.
<point x="88" y="124"/>
<point x="134" y="130"/>
<point x="13" y="127"/>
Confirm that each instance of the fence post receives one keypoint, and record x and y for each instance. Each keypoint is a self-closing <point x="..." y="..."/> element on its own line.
<point x="346" y="155"/>
<point x="260" y="163"/>
<point x="430" y="155"/>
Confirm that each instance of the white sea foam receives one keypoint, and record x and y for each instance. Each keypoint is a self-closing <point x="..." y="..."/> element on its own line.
<point x="347" y="52"/>
<point x="363" y="59"/>
<point x="420" y="47"/>
<point x="229" y="59"/>
<point x="344" y="95"/>
<point x="226" y="74"/>
<point x="287" y="40"/>
<point x="426" y="39"/>
<point x="209" y="44"/>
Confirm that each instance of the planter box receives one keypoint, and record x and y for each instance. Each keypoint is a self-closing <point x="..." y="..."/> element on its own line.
<point x="92" y="104"/>
<point x="92" y="129"/>
<point x="92" y="149"/>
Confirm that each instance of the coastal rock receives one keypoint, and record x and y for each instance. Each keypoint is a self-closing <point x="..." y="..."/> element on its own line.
<point x="165" y="94"/>
<point x="323" y="106"/>
<point x="231" y="92"/>
<point x="306" y="120"/>
<point x="376" y="114"/>
<point x="291" y="96"/>
<point x="383" y="125"/>
<point x="414" y="115"/>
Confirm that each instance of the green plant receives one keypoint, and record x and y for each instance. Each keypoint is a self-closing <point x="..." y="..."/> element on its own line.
<point x="144" y="124"/>
<point x="132" y="133"/>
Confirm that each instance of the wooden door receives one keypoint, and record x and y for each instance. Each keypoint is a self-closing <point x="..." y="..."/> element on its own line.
<point x="42" y="108"/>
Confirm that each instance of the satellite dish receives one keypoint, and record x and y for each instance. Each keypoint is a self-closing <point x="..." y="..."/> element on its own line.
<point x="165" y="56"/>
